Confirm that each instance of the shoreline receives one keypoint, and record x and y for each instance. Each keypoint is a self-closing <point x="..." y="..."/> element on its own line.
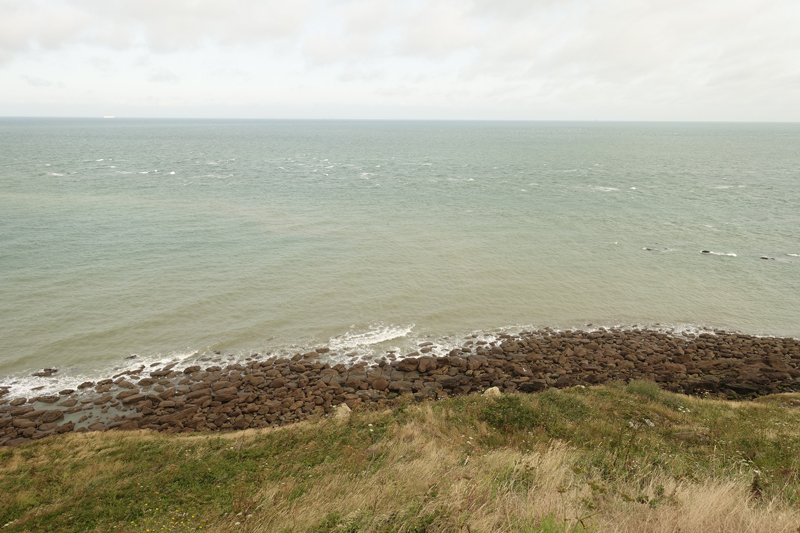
<point x="262" y="391"/>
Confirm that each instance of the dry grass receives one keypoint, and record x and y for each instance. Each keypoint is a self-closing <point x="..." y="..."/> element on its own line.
<point x="572" y="461"/>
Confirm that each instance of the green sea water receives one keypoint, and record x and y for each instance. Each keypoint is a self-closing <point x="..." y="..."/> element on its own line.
<point x="178" y="238"/>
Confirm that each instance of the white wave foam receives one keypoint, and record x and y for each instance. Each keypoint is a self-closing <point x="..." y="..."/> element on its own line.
<point x="731" y="254"/>
<point x="54" y="174"/>
<point x="25" y="385"/>
<point x="372" y="336"/>
<point x="793" y="255"/>
<point x="605" y="189"/>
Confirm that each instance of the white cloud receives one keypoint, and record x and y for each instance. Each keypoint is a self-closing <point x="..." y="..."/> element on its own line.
<point x="162" y="75"/>
<point x="684" y="59"/>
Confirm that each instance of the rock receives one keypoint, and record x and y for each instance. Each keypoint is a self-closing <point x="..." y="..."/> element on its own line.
<point x="342" y="412"/>
<point x="22" y="410"/>
<point x="242" y="423"/>
<point x="66" y="392"/>
<point x="49" y="399"/>
<point x="400" y="386"/>
<point x="492" y="392"/>
<point x="172" y="419"/>
<point x="66" y="428"/>
<point x="135" y="398"/>
<point x="408" y="365"/>
<point x="532" y="386"/>
<point x="427" y="364"/>
<point x="129" y="425"/>
<point x="475" y="361"/>
<point x="380" y="383"/>
<point x="51" y="415"/>
<point x="17" y="401"/>
<point x="23" y="423"/>
<point x="126" y="394"/>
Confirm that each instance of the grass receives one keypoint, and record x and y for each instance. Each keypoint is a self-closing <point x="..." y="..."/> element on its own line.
<point x="613" y="458"/>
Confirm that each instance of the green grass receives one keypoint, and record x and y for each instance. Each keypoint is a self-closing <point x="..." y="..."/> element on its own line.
<point x="623" y="437"/>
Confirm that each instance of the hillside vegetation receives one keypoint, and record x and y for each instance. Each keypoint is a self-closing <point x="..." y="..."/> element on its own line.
<point x="617" y="458"/>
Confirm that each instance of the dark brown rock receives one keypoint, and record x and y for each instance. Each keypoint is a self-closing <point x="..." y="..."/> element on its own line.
<point x="134" y="398"/>
<point x="48" y="399"/>
<point x="51" y="415"/>
<point x="408" y="365"/>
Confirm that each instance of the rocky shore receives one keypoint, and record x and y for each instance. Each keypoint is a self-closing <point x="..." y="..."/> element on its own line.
<point x="261" y="391"/>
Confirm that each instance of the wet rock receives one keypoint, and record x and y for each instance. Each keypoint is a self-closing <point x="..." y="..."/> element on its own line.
<point x="17" y="401"/>
<point x="51" y="415"/>
<point x="135" y="398"/>
<point x="49" y="399"/>
<point x="45" y="373"/>
<point x="66" y="428"/>
<point x="22" y="410"/>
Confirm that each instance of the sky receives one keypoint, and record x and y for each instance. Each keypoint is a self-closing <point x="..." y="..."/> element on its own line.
<point x="657" y="60"/>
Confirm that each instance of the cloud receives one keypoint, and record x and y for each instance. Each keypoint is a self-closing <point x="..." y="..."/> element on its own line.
<point x="530" y="55"/>
<point x="158" y="25"/>
<point x="39" y="82"/>
<point x="162" y="75"/>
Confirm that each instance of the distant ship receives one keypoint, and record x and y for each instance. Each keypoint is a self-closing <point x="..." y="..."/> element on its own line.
<point x="108" y="116"/>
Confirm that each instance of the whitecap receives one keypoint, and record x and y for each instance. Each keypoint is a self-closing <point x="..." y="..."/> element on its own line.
<point x="605" y="189"/>
<point x="730" y="254"/>
<point x="173" y="172"/>
<point x="98" y="160"/>
<point x="54" y="174"/>
<point x="793" y="255"/>
<point x="374" y="335"/>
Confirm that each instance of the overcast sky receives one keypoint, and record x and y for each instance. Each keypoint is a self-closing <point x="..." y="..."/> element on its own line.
<point x="729" y="60"/>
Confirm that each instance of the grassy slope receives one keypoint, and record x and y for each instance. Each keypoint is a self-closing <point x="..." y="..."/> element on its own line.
<point x="572" y="460"/>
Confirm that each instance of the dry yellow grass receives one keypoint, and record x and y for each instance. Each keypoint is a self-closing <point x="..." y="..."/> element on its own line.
<point x="570" y="461"/>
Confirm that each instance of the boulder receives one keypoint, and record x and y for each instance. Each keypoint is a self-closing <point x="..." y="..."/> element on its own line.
<point x="51" y="415"/>
<point x="492" y="392"/>
<point x="408" y="365"/>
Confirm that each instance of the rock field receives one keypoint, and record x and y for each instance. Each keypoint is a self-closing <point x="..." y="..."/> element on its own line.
<point x="261" y="392"/>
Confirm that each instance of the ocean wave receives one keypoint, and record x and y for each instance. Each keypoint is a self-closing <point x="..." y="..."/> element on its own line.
<point x="731" y="254"/>
<point x="374" y="335"/>
<point x="369" y="344"/>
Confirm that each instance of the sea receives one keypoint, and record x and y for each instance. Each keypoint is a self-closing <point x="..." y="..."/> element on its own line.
<point x="130" y="242"/>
